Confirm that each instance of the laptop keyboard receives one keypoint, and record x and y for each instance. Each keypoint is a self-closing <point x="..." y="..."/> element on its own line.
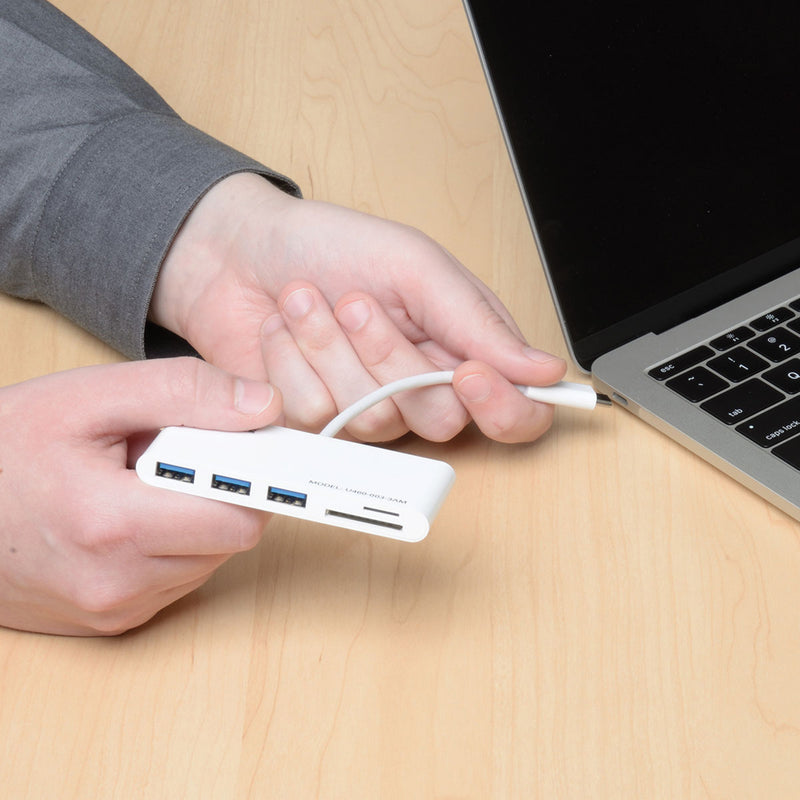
<point x="748" y="378"/>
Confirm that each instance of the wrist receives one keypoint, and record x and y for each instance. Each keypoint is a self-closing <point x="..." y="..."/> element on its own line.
<point x="212" y="239"/>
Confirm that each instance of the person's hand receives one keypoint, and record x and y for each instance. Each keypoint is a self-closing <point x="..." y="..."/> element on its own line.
<point x="328" y="303"/>
<point x="87" y="548"/>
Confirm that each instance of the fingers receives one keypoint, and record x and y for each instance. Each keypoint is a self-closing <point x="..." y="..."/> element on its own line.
<point x="94" y="545"/>
<point x="183" y="525"/>
<point x="307" y="402"/>
<point x="458" y="311"/>
<point x="140" y="548"/>
<point x="124" y="399"/>
<point x="114" y="621"/>
<point x="120" y="403"/>
<point x="489" y="338"/>
<point x="320" y="373"/>
<point x="499" y="408"/>
<point x="325" y="360"/>
<point x="109" y="603"/>
<point x="434" y="412"/>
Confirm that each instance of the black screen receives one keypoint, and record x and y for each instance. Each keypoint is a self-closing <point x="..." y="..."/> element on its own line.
<point x="658" y="152"/>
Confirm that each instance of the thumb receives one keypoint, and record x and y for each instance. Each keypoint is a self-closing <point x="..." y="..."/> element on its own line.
<point x="491" y="339"/>
<point x="473" y="324"/>
<point x="458" y="311"/>
<point x="145" y="395"/>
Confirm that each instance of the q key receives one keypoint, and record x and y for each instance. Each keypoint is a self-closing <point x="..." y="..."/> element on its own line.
<point x="786" y="377"/>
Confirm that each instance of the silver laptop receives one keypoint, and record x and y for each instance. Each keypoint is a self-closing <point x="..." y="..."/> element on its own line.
<point x="658" y="155"/>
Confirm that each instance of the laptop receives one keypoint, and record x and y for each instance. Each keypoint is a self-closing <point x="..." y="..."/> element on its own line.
<point x="658" y="155"/>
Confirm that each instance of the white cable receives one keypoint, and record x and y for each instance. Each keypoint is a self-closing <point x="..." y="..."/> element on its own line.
<point x="359" y="407"/>
<point x="575" y="395"/>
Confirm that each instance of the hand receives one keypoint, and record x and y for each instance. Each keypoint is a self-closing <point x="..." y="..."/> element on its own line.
<point x="87" y="547"/>
<point x="328" y="303"/>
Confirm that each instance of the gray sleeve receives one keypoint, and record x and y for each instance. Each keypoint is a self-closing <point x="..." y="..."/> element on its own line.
<point x="98" y="173"/>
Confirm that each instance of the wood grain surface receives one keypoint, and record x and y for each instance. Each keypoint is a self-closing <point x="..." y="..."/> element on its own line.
<point x="597" y="615"/>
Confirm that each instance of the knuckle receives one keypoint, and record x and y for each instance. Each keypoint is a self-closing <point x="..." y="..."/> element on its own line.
<point x="190" y="379"/>
<point x="98" y="596"/>
<point x="102" y="524"/>
<point x="446" y="425"/>
<point x="440" y="418"/>
<point x="97" y="536"/>
<point x="382" y="423"/>
<point x="200" y="381"/>
<point x="122" y="621"/>
<point x="377" y="340"/>
<point x="508" y="429"/>
<point x="114" y="625"/>
<point x="316" y="336"/>
<point x="250" y="532"/>
<point x="312" y="414"/>
<point x="543" y="424"/>
<point x="185" y="371"/>
<point x="107" y="603"/>
<point x="98" y="590"/>
<point x="379" y="349"/>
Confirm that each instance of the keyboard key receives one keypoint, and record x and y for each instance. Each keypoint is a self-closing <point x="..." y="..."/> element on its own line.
<point x="681" y="363"/>
<point x="790" y="452"/>
<point x="775" y="425"/>
<point x="697" y="384"/>
<point x="794" y="325"/>
<point x="738" y="364"/>
<point x="732" y="338"/>
<point x="786" y="377"/>
<point x="772" y="319"/>
<point x="742" y="401"/>
<point x="795" y="304"/>
<point x="777" y="345"/>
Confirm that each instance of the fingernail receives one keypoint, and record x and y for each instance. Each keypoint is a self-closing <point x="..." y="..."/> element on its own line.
<point x="539" y="356"/>
<point x="298" y="303"/>
<point x="271" y="324"/>
<point x="354" y="316"/>
<point x="474" y="388"/>
<point x="252" y="397"/>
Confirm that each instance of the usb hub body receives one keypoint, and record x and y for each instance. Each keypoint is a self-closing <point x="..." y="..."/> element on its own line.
<point x="336" y="482"/>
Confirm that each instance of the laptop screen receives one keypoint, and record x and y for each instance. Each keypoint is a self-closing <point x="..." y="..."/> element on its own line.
<point x="658" y="153"/>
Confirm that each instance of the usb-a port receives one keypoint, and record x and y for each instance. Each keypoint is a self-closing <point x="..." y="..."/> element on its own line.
<point x="287" y="496"/>
<point x="234" y="485"/>
<point x="174" y="472"/>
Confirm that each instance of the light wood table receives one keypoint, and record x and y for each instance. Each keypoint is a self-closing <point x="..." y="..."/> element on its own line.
<point x="597" y="615"/>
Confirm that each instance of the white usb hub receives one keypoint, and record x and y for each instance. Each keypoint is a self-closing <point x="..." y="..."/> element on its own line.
<point x="318" y="478"/>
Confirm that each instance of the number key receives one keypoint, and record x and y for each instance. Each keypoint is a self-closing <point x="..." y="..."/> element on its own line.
<point x="776" y="345"/>
<point x="738" y="364"/>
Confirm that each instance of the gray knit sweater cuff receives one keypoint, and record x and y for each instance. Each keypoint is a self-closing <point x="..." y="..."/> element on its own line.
<point x="112" y="215"/>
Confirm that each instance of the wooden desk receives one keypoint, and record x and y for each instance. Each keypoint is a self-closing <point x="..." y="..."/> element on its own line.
<point x="599" y="615"/>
